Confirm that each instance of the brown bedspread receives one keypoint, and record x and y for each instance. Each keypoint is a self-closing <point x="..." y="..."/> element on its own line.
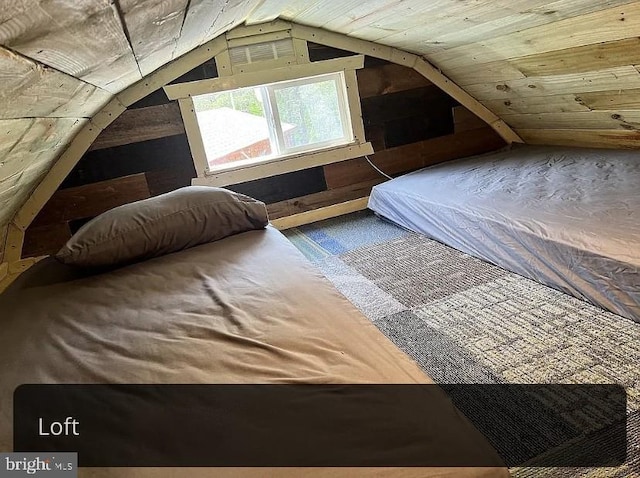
<point x="246" y="309"/>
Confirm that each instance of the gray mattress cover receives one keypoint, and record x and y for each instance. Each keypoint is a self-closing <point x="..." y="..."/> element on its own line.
<point x="566" y="217"/>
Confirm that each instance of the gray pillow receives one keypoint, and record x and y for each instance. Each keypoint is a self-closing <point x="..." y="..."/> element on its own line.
<point x="163" y="224"/>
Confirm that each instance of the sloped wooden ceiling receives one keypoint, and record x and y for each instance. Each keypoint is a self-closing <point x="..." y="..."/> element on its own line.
<point x="559" y="72"/>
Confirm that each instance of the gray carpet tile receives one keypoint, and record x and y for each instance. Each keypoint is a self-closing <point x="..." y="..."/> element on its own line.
<point x="436" y="353"/>
<point x="467" y="321"/>
<point x="356" y="230"/>
<point x="416" y="270"/>
<point x="363" y="293"/>
<point x="528" y="333"/>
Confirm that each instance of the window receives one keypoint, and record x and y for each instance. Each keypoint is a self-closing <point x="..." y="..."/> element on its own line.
<point x="259" y="123"/>
<point x="248" y="125"/>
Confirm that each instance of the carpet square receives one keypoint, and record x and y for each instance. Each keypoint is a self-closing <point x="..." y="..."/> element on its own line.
<point x="364" y="294"/>
<point x="466" y="321"/>
<point x="356" y="230"/>
<point x="416" y="270"/>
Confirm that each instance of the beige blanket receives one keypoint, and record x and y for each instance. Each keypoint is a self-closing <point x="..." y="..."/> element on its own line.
<point x="246" y="309"/>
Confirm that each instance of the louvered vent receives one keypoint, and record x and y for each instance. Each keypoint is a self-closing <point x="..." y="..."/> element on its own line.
<point x="273" y="50"/>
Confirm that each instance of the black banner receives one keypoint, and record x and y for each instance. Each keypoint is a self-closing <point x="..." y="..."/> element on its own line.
<point x="325" y="425"/>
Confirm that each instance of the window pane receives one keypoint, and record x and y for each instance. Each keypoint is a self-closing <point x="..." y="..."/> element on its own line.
<point x="233" y="126"/>
<point x="309" y="113"/>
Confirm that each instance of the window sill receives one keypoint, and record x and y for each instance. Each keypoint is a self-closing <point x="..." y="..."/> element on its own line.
<point x="283" y="164"/>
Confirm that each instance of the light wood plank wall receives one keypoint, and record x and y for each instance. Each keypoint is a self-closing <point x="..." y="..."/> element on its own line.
<point x="573" y="82"/>
<point x="548" y="68"/>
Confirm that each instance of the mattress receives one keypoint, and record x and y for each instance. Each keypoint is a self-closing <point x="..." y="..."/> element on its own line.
<point x="566" y="217"/>
<point x="245" y="309"/>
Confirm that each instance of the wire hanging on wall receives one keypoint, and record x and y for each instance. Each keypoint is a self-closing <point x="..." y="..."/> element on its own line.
<point x="376" y="168"/>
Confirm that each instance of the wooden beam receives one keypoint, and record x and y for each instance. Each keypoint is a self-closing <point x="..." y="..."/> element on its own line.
<point x="321" y="199"/>
<point x="427" y="70"/>
<point x="14" y="269"/>
<point x="271" y="26"/>
<point x="141" y="124"/>
<point x="320" y="214"/>
<point x="4" y="270"/>
<point x="171" y="71"/>
<point x="285" y="165"/>
<point x="3" y="240"/>
<point x="194" y="136"/>
<point x="613" y="139"/>
<point x="254" y="78"/>
<point x="467" y="101"/>
<point x="61" y="168"/>
<point x="14" y="243"/>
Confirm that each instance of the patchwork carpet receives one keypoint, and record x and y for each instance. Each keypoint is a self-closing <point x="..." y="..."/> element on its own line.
<point x="465" y="321"/>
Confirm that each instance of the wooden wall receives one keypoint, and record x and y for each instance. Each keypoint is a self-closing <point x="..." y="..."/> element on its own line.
<point x="560" y="72"/>
<point x="409" y="121"/>
<point x="574" y="81"/>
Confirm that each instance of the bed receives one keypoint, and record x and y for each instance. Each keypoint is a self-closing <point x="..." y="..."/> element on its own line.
<point x="245" y="308"/>
<point x="566" y="217"/>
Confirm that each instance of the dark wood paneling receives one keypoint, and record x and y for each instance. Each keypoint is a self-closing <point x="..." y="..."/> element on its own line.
<point x="158" y="97"/>
<point x="92" y="199"/>
<point x="201" y="72"/>
<point x="321" y="52"/>
<point x="46" y="239"/>
<point x="388" y="78"/>
<point x="322" y="199"/>
<point x="413" y="156"/>
<point x="426" y="101"/>
<point x="165" y="180"/>
<point x="417" y="128"/>
<point x="375" y="134"/>
<point x="159" y="154"/>
<point x="284" y="186"/>
<point x="142" y="124"/>
<point x="465" y="120"/>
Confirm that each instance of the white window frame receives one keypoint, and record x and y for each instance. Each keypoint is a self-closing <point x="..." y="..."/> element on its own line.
<point x="291" y="160"/>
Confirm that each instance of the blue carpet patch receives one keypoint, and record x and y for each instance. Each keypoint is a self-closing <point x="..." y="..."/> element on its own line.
<point x="345" y="233"/>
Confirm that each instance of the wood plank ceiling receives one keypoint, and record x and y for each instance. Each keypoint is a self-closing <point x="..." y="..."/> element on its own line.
<point x="559" y="72"/>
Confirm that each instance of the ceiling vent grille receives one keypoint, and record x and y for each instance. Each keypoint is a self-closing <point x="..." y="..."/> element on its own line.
<point x="258" y="52"/>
